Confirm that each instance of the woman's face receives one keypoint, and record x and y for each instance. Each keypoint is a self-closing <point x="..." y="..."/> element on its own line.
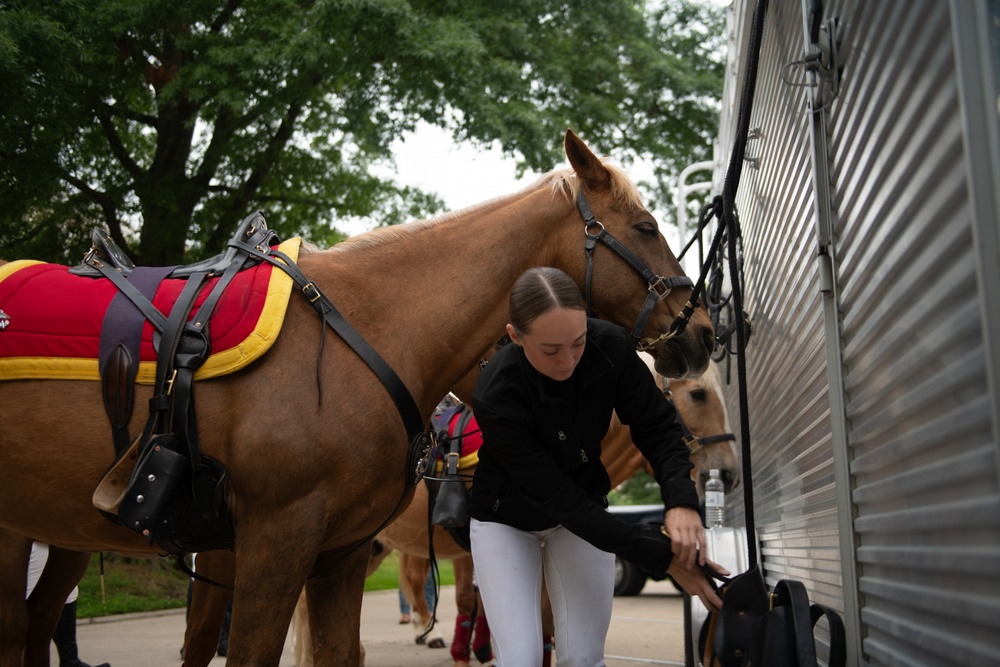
<point x="554" y="341"/>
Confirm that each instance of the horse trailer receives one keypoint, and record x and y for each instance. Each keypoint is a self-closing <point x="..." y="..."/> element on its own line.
<point x="869" y="205"/>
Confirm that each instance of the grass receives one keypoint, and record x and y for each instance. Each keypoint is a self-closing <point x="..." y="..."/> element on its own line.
<point x="135" y="584"/>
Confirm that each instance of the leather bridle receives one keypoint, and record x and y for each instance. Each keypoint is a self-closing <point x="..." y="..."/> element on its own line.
<point x="659" y="286"/>
<point x="694" y="442"/>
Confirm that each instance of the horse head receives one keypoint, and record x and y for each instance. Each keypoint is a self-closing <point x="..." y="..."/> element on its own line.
<point x="625" y="253"/>
<point x="705" y="424"/>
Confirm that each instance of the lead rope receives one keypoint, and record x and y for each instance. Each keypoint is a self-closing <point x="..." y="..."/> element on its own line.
<point x="736" y="263"/>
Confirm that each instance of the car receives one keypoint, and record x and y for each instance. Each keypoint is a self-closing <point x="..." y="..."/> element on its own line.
<point x="629" y="578"/>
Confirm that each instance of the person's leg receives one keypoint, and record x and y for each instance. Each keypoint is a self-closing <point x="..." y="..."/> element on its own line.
<point x="429" y="593"/>
<point x="404" y="606"/>
<point x="580" y="579"/>
<point x="65" y="639"/>
<point x="65" y="636"/>
<point x="508" y="566"/>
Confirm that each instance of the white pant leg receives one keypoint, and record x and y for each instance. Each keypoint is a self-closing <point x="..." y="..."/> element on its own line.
<point x="508" y="565"/>
<point x="580" y="579"/>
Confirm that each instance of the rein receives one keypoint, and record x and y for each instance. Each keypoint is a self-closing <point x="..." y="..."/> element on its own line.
<point x="659" y="286"/>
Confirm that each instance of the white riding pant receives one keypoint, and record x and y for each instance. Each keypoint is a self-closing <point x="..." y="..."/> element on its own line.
<point x="579" y="578"/>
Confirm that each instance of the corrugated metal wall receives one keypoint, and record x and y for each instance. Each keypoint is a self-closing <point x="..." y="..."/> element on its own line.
<point x="919" y="482"/>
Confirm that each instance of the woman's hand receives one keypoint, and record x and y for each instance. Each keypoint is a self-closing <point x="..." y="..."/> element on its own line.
<point x="687" y="537"/>
<point x="696" y="582"/>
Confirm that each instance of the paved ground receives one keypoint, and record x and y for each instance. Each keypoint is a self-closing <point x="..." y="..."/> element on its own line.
<point x="647" y="629"/>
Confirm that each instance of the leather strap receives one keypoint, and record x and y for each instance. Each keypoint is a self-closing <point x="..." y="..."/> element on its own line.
<point x="155" y="317"/>
<point x="400" y="395"/>
<point x="792" y="593"/>
<point x="118" y="356"/>
<point x="838" y="636"/>
<point x="659" y="286"/>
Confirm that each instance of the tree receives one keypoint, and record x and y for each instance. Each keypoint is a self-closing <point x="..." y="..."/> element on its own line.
<point x="168" y="122"/>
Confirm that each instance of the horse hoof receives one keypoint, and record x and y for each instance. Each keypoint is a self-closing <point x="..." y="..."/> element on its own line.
<point x="436" y="643"/>
<point x="420" y="640"/>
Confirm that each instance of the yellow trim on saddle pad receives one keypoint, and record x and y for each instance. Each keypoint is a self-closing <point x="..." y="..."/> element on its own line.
<point x="10" y="267"/>
<point x="260" y="340"/>
<point x="463" y="462"/>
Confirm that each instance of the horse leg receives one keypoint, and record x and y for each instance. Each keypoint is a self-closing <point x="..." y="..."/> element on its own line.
<point x="208" y="606"/>
<point x="334" y="592"/>
<point x="413" y="570"/>
<point x="63" y="570"/>
<point x="15" y="550"/>
<point x="465" y="600"/>
<point x="274" y="552"/>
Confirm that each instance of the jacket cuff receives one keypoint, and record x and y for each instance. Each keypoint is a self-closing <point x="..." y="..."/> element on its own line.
<point x="649" y="549"/>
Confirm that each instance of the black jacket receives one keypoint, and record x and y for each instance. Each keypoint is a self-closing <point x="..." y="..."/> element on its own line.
<point x="540" y="464"/>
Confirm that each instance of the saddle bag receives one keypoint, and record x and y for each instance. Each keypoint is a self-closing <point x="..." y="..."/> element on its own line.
<point x="759" y="629"/>
<point x="450" y="508"/>
<point x="451" y="505"/>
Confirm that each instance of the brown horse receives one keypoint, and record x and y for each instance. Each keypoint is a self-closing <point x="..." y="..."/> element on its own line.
<point x="700" y="408"/>
<point x="308" y="478"/>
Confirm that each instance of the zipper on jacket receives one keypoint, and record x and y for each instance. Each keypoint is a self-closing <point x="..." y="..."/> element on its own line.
<point x="496" y="505"/>
<point x="583" y="456"/>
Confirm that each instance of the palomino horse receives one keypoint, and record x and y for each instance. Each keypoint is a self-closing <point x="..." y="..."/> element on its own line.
<point x="705" y="422"/>
<point x="309" y="480"/>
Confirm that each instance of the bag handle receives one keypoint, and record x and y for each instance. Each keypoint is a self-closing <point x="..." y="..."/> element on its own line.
<point x="838" y="636"/>
<point x="792" y="594"/>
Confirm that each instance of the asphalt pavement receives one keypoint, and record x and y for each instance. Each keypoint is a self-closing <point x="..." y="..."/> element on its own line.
<point x="646" y="629"/>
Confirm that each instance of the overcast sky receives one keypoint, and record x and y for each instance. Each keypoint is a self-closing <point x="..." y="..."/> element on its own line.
<point x="463" y="175"/>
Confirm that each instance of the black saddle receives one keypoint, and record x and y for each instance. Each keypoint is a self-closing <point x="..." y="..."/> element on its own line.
<point x="252" y="231"/>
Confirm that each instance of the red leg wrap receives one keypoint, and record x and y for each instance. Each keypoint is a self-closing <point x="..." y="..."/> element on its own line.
<point x="481" y="642"/>
<point x="460" y="644"/>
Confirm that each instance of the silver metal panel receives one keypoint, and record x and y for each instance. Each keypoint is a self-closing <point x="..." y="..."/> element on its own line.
<point x="914" y="201"/>
<point x="920" y="427"/>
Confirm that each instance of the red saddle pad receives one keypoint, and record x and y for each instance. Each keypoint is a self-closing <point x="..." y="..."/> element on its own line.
<point x="472" y="440"/>
<point x="54" y="320"/>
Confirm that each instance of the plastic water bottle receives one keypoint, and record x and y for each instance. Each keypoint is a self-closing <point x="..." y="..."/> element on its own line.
<point x="715" y="499"/>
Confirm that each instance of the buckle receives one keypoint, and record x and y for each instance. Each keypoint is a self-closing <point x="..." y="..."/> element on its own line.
<point x="170" y="383"/>
<point x="660" y="288"/>
<point x="311" y="292"/>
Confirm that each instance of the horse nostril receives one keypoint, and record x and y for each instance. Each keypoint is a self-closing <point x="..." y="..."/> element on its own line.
<point x="708" y="339"/>
<point x="728" y="479"/>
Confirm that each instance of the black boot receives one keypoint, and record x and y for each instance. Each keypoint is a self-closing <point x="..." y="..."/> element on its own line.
<point x="65" y="639"/>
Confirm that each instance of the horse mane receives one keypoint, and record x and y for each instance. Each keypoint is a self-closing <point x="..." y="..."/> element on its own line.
<point x="560" y="181"/>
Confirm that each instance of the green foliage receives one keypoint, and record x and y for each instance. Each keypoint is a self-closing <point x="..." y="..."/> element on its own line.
<point x="134" y="585"/>
<point x="130" y="585"/>
<point x="639" y="489"/>
<point x="168" y="122"/>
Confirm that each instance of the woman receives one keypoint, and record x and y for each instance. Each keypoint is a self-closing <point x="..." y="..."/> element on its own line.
<point x="539" y="495"/>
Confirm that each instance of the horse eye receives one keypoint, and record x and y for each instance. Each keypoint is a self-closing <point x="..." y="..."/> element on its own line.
<point x="699" y="394"/>
<point x="646" y="228"/>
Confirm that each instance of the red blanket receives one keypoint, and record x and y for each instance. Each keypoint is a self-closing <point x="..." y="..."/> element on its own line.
<point x="55" y="319"/>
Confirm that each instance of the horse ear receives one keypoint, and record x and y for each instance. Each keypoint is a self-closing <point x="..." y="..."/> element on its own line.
<point x="586" y="165"/>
